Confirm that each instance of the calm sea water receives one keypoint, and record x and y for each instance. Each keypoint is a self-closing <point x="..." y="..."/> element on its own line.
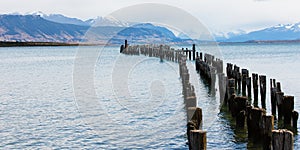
<point x="137" y="102"/>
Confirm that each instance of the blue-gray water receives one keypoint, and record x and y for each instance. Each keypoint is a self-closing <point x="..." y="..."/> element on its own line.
<point x="38" y="107"/>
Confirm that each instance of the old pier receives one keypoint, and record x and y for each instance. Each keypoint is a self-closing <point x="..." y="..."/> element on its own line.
<point x="235" y="87"/>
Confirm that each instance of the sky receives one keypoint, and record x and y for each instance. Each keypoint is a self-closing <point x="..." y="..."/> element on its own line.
<point x="216" y="15"/>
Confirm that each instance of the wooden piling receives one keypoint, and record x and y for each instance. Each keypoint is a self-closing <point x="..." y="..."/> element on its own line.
<point x="255" y="88"/>
<point x="126" y="44"/>
<point x="245" y="74"/>
<point x="194" y="51"/>
<point x="273" y="90"/>
<point x="288" y="107"/>
<point x="248" y="83"/>
<point x="295" y="116"/>
<point x="263" y="90"/>
<point x="196" y="116"/>
<point x="282" y="139"/>
<point x="190" y="56"/>
<point x="239" y="108"/>
<point x="121" y="48"/>
<point x="268" y="126"/>
<point x="279" y="103"/>
<point x="254" y="123"/>
<point x="197" y="140"/>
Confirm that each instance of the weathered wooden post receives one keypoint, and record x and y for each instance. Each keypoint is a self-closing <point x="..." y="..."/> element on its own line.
<point x="121" y="48"/>
<point x="282" y="139"/>
<point x="197" y="140"/>
<point x="201" y="56"/>
<point x="237" y="77"/>
<point x="268" y="126"/>
<point x="263" y="89"/>
<point x="248" y="83"/>
<point x="279" y="102"/>
<point x="295" y="116"/>
<point x="254" y="125"/>
<point x="194" y="51"/>
<point x="255" y="88"/>
<point x="126" y="44"/>
<point x="231" y="95"/>
<point x="288" y="107"/>
<point x="245" y="74"/>
<point x="273" y="90"/>
<point x="278" y="86"/>
<point x="195" y="115"/>
<point x="240" y="109"/>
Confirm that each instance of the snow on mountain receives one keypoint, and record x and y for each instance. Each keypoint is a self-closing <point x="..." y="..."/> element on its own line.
<point x="277" y="32"/>
<point x="59" y="18"/>
<point x="98" y="21"/>
<point x="106" y="21"/>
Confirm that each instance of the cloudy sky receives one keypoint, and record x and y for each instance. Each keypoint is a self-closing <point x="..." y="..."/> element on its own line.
<point x="217" y="15"/>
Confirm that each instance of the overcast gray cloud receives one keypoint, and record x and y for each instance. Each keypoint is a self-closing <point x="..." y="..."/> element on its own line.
<point x="217" y="15"/>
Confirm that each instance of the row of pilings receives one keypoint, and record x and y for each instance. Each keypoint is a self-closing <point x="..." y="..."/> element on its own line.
<point x="235" y="94"/>
<point x="235" y="90"/>
<point x="195" y="136"/>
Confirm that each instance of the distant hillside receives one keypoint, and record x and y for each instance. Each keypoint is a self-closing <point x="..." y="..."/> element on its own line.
<point x="37" y="29"/>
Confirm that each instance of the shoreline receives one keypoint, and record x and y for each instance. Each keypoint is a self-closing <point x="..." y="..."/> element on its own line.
<point x="30" y="44"/>
<point x="25" y="44"/>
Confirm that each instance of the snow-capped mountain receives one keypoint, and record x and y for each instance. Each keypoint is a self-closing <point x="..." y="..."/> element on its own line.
<point x="98" y="21"/>
<point x="60" y="18"/>
<point x="106" y="21"/>
<point x="275" y="33"/>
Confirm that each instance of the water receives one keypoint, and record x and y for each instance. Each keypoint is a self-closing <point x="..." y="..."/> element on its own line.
<point x="137" y="102"/>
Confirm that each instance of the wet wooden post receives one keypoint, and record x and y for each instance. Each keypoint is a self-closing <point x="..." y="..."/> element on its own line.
<point x="295" y="116"/>
<point x="279" y="103"/>
<point x="273" y="90"/>
<point x="268" y="126"/>
<point x="255" y="88"/>
<point x="231" y="95"/>
<point x="240" y="109"/>
<point x="238" y="78"/>
<point x="121" y="48"/>
<point x="201" y="56"/>
<point x="282" y="139"/>
<point x="278" y="86"/>
<point x="245" y="74"/>
<point x="126" y="44"/>
<point x="288" y="107"/>
<point x="195" y="115"/>
<point x="197" y="140"/>
<point x="248" y="83"/>
<point x="197" y="54"/>
<point x="194" y="51"/>
<point x="254" y="125"/>
<point x="263" y="88"/>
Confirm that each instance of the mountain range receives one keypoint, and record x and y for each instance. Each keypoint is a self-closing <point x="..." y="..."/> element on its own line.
<point x="39" y="27"/>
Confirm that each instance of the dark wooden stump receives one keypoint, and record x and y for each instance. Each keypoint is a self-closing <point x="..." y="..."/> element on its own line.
<point x="255" y="89"/>
<point x="288" y="107"/>
<point x="295" y="116"/>
<point x="279" y="103"/>
<point x="263" y="90"/>
<point x="282" y="139"/>
<point x="197" y="140"/>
